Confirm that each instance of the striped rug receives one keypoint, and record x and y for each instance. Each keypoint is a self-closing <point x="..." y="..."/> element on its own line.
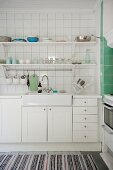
<point x="47" y="161"/>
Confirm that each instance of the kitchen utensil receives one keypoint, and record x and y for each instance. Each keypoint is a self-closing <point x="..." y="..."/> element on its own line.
<point x="23" y="76"/>
<point x="28" y="82"/>
<point x="5" y="39"/>
<point x="32" y="39"/>
<point x="34" y="81"/>
<point x="83" y="38"/>
<point x="46" y="39"/>
<point x="19" y="40"/>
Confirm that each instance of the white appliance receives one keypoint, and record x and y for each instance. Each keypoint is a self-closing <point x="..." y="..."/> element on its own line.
<point x="108" y="121"/>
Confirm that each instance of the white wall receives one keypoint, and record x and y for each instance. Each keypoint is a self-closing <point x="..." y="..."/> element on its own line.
<point x="107" y="16"/>
<point x="57" y="24"/>
<point x="84" y="4"/>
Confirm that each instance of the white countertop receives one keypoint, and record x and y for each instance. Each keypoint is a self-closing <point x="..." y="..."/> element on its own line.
<point x="17" y="96"/>
<point x="87" y="96"/>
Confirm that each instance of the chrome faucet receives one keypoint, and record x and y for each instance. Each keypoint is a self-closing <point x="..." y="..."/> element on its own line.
<point x="47" y="89"/>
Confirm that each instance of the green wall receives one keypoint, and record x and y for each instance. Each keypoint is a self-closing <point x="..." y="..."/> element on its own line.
<point x="106" y="62"/>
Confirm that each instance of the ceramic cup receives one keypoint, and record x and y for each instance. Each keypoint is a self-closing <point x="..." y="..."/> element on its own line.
<point x="9" y="80"/>
<point x="16" y="79"/>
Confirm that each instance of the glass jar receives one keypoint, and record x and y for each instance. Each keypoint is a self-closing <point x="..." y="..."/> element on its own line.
<point x="87" y="57"/>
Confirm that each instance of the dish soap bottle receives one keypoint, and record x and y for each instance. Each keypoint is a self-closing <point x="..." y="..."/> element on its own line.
<point x="39" y="87"/>
<point x="87" y="56"/>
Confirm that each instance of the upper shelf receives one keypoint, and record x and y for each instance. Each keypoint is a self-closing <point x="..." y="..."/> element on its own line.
<point x="46" y="43"/>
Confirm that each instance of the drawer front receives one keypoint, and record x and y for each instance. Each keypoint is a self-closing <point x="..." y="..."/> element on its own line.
<point x="84" y="110"/>
<point x="85" y="118"/>
<point x="84" y="102"/>
<point x="89" y="136"/>
<point x="85" y="126"/>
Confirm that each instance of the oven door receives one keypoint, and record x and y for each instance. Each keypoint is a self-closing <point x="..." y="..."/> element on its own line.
<point x="108" y="116"/>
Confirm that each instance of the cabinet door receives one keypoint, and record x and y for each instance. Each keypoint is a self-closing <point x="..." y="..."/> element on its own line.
<point x="34" y="124"/>
<point x="60" y="124"/>
<point x="10" y="120"/>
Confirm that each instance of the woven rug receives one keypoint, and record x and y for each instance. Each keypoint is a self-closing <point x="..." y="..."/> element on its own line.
<point x="47" y="162"/>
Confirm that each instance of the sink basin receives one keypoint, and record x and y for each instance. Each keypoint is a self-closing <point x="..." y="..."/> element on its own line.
<point x="47" y="99"/>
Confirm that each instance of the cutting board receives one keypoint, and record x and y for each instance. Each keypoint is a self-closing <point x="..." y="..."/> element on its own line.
<point x="34" y="81"/>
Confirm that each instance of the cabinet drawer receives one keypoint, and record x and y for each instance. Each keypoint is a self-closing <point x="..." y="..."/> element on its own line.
<point x="84" y="110"/>
<point x="89" y="136"/>
<point x="84" y="102"/>
<point x="85" y="118"/>
<point x="85" y="126"/>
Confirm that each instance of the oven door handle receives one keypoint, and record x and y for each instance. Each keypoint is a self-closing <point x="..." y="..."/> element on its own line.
<point x="107" y="107"/>
<point x="107" y="130"/>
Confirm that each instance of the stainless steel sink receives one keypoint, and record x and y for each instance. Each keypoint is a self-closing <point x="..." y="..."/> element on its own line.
<point x="59" y="99"/>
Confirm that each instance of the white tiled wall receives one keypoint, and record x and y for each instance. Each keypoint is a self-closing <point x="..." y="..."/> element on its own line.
<point x="56" y="25"/>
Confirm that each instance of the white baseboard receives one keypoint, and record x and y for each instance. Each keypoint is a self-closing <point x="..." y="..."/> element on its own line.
<point x="51" y="147"/>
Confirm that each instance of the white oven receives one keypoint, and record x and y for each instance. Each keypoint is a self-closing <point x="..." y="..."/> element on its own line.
<point x="108" y="121"/>
<point x="108" y="116"/>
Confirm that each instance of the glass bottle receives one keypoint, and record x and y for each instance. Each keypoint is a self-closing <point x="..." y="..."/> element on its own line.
<point x="39" y="87"/>
<point x="87" y="57"/>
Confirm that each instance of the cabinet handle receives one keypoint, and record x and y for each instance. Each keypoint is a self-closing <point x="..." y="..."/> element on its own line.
<point x="85" y="102"/>
<point x="85" y="126"/>
<point x="44" y="109"/>
<point x="85" y="136"/>
<point x="85" y="118"/>
<point x="50" y="109"/>
<point x="85" y="110"/>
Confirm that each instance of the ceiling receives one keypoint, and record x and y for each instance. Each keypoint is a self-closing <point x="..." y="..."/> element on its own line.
<point x="83" y="4"/>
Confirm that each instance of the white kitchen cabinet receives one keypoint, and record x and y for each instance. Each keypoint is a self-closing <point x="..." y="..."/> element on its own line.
<point x="10" y="120"/>
<point x="60" y="124"/>
<point x="85" y="120"/>
<point x="34" y="124"/>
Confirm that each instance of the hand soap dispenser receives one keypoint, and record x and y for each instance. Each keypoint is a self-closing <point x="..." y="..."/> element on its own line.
<point x="39" y="87"/>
